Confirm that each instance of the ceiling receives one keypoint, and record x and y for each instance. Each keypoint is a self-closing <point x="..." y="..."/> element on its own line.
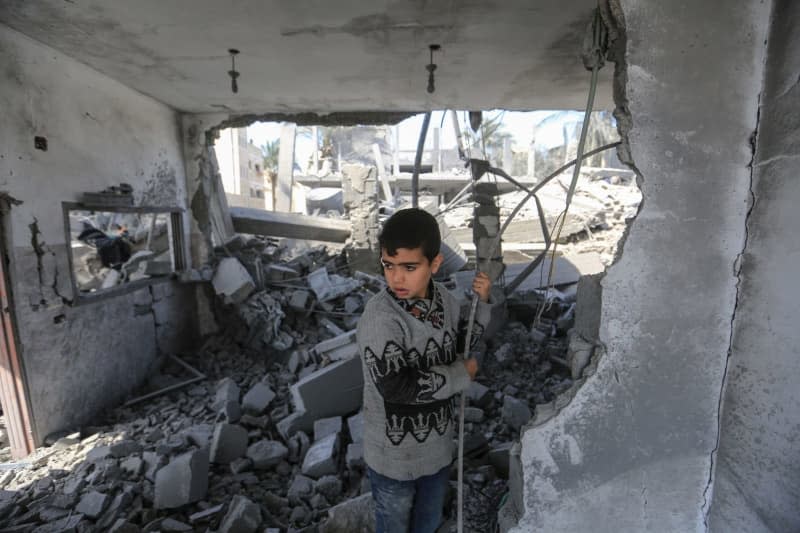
<point x="324" y="55"/>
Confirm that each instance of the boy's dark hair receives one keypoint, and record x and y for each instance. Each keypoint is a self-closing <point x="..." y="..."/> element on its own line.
<point x="411" y="228"/>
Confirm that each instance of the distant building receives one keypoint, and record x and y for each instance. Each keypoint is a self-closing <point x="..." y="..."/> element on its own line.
<point x="240" y="163"/>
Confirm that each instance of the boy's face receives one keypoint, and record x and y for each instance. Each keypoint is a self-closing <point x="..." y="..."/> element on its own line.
<point x="409" y="272"/>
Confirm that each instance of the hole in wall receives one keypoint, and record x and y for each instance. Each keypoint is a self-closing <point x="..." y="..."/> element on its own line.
<point x="40" y="143"/>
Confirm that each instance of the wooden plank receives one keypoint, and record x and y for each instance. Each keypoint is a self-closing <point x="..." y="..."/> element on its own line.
<point x="12" y="388"/>
<point x="290" y="225"/>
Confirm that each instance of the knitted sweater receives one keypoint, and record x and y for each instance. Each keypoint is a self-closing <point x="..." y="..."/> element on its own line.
<point x="411" y="352"/>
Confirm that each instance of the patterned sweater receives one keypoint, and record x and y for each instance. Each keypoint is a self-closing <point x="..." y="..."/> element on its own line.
<point x="412" y="352"/>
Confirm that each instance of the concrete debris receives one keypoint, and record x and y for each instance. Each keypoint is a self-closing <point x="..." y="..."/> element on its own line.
<point x="257" y="398"/>
<point x="515" y="412"/>
<point x="182" y="481"/>
<point x="321" y="457"/>
<point x="148" y="470"/>
<point x="354" y="515"/>
<point x="266" y="453"/>
<point x="243" y="516"/>
<point x="93" y="504"/>
<point x="327" y="426"/>
<point x="229" y="442"/>
<point x="356" y="426"/>
<point x="232" y="281"/>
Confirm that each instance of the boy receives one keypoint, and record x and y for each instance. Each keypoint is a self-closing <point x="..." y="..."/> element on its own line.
<point x="411" y="344"/>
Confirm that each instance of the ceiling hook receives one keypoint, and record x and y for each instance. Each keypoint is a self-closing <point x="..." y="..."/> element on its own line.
<point x="233" y="73"/>
<point x="431" y="67"/>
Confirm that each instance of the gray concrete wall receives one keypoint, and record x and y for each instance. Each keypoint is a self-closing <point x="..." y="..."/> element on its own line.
<point x="632" y="451"/>
<point x="757" y="478"/>
<point x="80" y="359"/>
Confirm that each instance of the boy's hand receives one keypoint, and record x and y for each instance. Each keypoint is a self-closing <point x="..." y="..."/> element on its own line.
<point x="472" y="367"/>
<point x="482" y="285"/>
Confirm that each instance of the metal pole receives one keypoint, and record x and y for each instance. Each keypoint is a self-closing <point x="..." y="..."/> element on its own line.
<point x="418" y="161"/>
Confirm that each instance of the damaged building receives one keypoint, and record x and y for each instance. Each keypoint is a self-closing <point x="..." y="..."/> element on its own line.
<point x="173" y="362"/>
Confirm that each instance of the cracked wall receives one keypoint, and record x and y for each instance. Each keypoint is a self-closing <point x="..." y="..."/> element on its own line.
<point x="757" y="476"/>
<point x="631" y="449"/>
<point x="80" y="359"/>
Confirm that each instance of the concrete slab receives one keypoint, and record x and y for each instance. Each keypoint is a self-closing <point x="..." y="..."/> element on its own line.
<point x="321" y="457"/>
<point x="232" y="281"/>
<point x="334" y="390"/>
<point x="228" y="442"/>
<point x="183" y="480"/>
<point x="258" y="398"/>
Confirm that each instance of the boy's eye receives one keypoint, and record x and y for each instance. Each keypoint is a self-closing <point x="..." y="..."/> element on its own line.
<point x="386" y="266"/>
<point x="410" y="268"/>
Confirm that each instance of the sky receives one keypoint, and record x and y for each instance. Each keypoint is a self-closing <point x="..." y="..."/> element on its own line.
<point x="519" y="124"/>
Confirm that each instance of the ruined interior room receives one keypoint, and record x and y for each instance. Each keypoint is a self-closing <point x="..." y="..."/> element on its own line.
<point x="180" y="290"/>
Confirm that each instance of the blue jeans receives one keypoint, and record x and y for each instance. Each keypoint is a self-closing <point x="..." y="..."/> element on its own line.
<point x="403" y="506"/>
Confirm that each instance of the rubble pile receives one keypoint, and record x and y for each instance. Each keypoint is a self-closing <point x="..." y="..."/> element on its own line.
<point x="271" y="439"/>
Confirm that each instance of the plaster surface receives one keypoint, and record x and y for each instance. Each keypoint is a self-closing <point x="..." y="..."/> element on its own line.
<point x="78" y="359"/>
<point x="344" y="56"/>
<point x="633" y="449"/>
<point x="757" y="478"/>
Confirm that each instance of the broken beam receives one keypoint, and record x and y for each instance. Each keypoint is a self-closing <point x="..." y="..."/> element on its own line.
<point x="291" y="225"/>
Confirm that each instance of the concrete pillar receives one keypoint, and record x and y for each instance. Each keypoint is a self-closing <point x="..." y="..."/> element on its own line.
<point x="360" y="196"/>
<point x="283" y="189"/>
<point x="203" y="185"/>
<point x="631" y="446"/>
<point x="485" y="228"/>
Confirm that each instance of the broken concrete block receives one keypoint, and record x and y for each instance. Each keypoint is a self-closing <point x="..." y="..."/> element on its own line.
<point x="295" y="362"/>
<point x="327" y="426"/>
<point x="257" y="398"/>
<point x="183" y="480"/>
<point x="227" y="391"/>
<point x="123" y="526"/>
<point x="504" y="355"/>
<point x="152" y="462"/>
<point x="301" y="487"/>
<point x="132" y="466"/>
<point x="97" y="453"/>
<point x="355" y="455"/>
<point x="293" y="423"/>
<point x="330" y="487"/>
<point x="118" y="505"/>
<point x="93" y="504"/>
<point x="515" y="412"/>
<point x="357" y="514"/>
<point x="243" y="516"/>
<point x="478" y="394"/>
<point x="231" y="412"/>
<point x="199" y="434"/>
<point x="228" y="442"/>
<point x="356" y="426"/>
<point x="334" y="390"/>
<point x="232" y="281"/>
<point x="473" y="414"/>
<point x="65" y="525"/>
<point x="338" y="348"/>
<point x="300" y="301"/>
<point x="266" y="453"/>
<point x="205" y="514"/>
<point x="299" y="444"/>
<point x="321" y="457"/>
